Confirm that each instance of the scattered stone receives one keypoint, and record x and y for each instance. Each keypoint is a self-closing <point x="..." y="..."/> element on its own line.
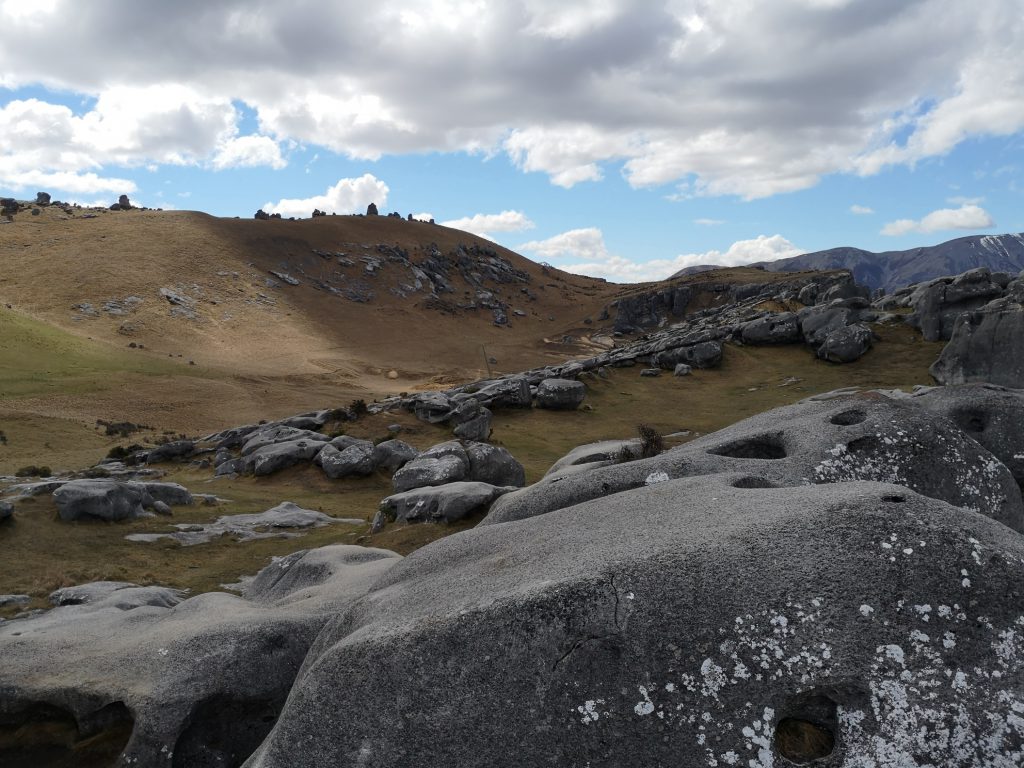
<point x="846" y="344"/>
<point x="98" y="500"/>
<point x="682" y="369"/>
<point x="6" y="601"/>
<point x="650" y="372"/>
<point x="177" y="449"/>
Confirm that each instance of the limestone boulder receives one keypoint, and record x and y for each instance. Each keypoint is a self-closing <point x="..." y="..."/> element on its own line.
<point x="199" y="682"/>
<point x="447" y="503"/>
<point x="560" y="394"/>
<point x="680" y="623"/>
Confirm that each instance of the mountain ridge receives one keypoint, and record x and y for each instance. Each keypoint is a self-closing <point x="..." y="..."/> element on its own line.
<point x="891" y="270"/>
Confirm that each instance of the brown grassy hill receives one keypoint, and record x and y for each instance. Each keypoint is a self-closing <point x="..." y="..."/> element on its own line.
<point x="89" y="327"/>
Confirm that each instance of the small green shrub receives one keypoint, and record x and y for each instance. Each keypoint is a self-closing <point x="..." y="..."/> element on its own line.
<point x="651" y="441"/>
<point x="358" y="408"/>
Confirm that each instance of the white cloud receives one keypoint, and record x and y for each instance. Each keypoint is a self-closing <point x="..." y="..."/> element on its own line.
<point x="861" y="210"/>
<point x="423" y="216"/>
<point x="964" y="217"/>
<point x="347" y="196"/>
<point x="583" y="251"/>
<point x="708" y="222"/>
<point x="485" y="224"/>
<point x="734" y="98"/>
<point x="247" y="152"/>
<point x="961" y="200"/>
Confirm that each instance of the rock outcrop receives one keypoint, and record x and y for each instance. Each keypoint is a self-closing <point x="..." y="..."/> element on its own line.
<point x="691" y="622"/>
<point x="165" y="682"/>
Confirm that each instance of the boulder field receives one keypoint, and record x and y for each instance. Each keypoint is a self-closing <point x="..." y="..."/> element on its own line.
<point x="839" y="582"/>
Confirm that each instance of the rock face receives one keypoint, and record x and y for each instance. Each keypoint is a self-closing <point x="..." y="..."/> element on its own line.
<point x="986" y="346"/>
<point x="680" y="623"/>
<point x="869" y="436"/>
<point x="443" y="463"/>
<point x="560" y="394"/>
<point x="196" y="683"/>
<point x="846" y="344"/>
<point x="939" y="303"/>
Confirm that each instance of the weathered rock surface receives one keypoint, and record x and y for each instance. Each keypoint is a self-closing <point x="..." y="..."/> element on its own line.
<point x="986" y="346"/>
<point x="471" y="421"/>
<point x="282" y="521"/>
<point x="780" y="328"/>
<point x="443" y="463"/>
<point x="392" y="455"/>
<point x="868" y="436"/>
<point x="681" y="623"/>
<point x="846" y="344"/>
<point x="356" y="459"/>
<point x="560" y="394"/>
<point x="177" y="449"/>
<point x="195" y="684"/>
<point x="277" y="456"/>
<point x="98" y="500"/>
<point x="447" y="503"/>
<point x="938" y="303"/>
<point x="494" y="465"/>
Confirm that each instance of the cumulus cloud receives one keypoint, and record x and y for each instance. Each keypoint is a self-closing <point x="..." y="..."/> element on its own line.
<point x="861" y="210"/>
<point x="247" y="152"/>
<point x="583" y="251"/>
<point x="741" y="98"/>
<point x="347" y="196"/>
<point x="128" y="126"/>
<point x="964" y="217"/>
<point x="486" y="224"/>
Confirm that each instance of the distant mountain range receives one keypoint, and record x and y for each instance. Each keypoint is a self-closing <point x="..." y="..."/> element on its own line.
<point x="894" y="269"/>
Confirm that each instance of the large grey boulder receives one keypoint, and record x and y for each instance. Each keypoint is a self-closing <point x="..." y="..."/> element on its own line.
<point x="177" y="449"/>
<point x="198" y="683"/>
<point x="173" y="494"/>
<point x="392" y="455"/>
<point x="471" y="421"/>
<point x="868" y="436"/>
<point x="560" y="394"/>
<point x="938" y="304"/>
<point x="443" y="463"/>
<point x="513" y="392"/>
<point x="355" y="460"/>
<point x="846" y="344"/>
<point x="686" y="623"/>
<point x="432" y="407"/>
<point x="986" y="346"/>
<point x="774" y="328"/>
<point x="445" y="503"/>
<point x="275" y="434"/>
<point x="494" y="465"/>
<point x="122" y="595"/>
<point x="274" y="457"/>
<point x="97" y="499"/>
<point x="706" y="354"/>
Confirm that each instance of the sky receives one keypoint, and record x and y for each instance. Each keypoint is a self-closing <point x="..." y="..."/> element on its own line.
<point x="620" y="139"/>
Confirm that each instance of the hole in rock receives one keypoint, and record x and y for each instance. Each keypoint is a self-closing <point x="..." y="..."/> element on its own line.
<point x="971" y="419"/>
<point x="752" y="482"/>
<point x="223" y="732"/>
<point x="866" y="444"/>
<point x="802" y="742"/>
<point x="807" y="732"/>
<point x="760" y="447"/>
<point x="45" y="735"/>
<point x="894" y="498"/>
<point x="848" y="418"/>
